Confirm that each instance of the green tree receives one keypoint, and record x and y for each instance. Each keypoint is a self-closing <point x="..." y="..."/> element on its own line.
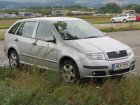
<point x="135" y="7"/>
<point x="110" y="8"/>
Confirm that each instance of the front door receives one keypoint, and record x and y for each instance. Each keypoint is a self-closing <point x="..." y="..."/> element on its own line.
<point x="45" y="52"/>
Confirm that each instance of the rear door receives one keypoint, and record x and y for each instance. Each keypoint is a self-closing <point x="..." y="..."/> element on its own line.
<point x="10" y="37"/>
<point x="117" y="18"/>
<point x="25" y="40"/>
<point x="123" y="17"/>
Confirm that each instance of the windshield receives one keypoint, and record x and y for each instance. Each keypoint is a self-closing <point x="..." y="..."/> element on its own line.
<point x="77" y="29"/>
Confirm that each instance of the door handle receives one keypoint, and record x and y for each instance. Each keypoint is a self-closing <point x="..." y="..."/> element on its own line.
<point x="16" y="40"/>
<point x="34" y="44"/>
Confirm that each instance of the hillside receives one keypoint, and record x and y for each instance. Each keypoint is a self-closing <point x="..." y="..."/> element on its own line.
<point x="44" y="3"/>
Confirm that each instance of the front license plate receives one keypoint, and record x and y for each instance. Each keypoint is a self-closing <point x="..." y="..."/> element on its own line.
<point x="122" y="65"/>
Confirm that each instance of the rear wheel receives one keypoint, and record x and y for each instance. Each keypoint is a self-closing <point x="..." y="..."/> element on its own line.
<point x="69" y="72"/>
<point x="112" y="21"/>
<point x="125" y="21"/>
<point x="14" y="59"/>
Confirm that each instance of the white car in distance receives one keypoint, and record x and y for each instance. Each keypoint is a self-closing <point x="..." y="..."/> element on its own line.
<point x="124" y="18"/>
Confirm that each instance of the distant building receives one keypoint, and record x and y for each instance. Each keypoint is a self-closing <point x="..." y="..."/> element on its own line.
<point x="12" y="15"/>
<point x="29" y="14"/>
<point x="24" y="14"/>
<point x="83" y="13"/>
<point x="59" y="12"/>
<point x="2" y="15"/>
<point x="36" y="14"/>
<point x="128" y="11"/>
<point x="6" y="15"/>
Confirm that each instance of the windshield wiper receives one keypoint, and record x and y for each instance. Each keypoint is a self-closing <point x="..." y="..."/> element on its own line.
<point x="71" y="39"/>
<point x="91" y="37"/>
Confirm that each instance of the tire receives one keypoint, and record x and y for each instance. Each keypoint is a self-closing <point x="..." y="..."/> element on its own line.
<point x="112" y="21"/>
<point x="125" y="21"/>
<point x="14" y="59"/>
<point x="69" y="72"/>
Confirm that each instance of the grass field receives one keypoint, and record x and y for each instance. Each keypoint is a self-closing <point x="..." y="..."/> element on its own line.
<point x="30" y="87"/>
<point x="119" y="27"/>
<point x="96" y="19"/>
<point x="1" y="36"/>
<point x="4" y="24"/>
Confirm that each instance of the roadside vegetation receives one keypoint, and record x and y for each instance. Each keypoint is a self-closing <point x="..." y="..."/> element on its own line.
<point x="6" y="23"/>
<point x="28" y="86"/>
<point x="1" y="36"/>
<point x="119" y="27"/>
<point x="96" y="19"/>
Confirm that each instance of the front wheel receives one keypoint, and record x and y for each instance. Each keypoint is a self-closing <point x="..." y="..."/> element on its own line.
<point x="69" y="72"/>
<point x="14" y="59"/>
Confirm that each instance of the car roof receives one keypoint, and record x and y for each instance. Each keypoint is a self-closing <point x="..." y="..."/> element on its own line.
<point x="51" y="19"/>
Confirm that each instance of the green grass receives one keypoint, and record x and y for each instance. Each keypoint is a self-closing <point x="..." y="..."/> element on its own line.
<point x="129" y="27"/>
<point x="30" y="87"/>
<point x="5" y="26"/>
<point x="96" y="19"/>
<point x="1" y="36"/>
<point x="92" y="20"/>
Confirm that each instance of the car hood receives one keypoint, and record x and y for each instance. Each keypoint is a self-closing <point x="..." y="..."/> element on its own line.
<point x="96" y="45"/>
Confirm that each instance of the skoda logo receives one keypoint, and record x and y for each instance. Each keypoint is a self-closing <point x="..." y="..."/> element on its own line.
<point x="117" y="52"/>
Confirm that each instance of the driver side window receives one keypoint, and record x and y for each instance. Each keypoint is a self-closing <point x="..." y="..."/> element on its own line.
<point x="44" y="31"/>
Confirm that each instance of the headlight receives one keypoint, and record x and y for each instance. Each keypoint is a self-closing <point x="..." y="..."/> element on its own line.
<point x="96" y="56"/>
<point x="129" y="52"/>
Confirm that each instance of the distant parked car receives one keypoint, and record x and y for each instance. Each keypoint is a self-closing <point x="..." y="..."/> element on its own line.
<point x="69" y="45"/>
<point x="124" y="18"/>
<point x="138" y="18"/>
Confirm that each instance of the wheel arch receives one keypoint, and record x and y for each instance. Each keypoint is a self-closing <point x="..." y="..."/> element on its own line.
<point x="125" y="19"/>
<point x="9" y="50"/>
<point x="64" y="58"/>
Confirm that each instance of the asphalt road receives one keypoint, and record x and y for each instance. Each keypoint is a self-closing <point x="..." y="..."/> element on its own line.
<point x="131" y="38"/>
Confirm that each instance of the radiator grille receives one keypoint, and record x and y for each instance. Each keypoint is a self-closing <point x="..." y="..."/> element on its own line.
<point x="117" y="54"/>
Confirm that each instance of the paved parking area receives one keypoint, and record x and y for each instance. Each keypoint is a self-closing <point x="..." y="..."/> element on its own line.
<point x="131" y="38"/>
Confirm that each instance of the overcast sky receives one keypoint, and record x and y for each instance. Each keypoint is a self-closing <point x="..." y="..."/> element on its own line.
<point x="25" y="0"/>
<point x="103" y="1"/>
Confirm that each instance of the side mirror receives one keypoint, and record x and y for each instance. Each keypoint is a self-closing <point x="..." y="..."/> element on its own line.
<point x="51" y="39"/>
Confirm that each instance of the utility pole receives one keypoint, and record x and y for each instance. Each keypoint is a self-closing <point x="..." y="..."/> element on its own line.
<point x="64" y="7"/>
<point x="52" y="7"/>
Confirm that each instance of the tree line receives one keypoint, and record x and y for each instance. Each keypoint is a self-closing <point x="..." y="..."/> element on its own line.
<point x="108" y="8"/>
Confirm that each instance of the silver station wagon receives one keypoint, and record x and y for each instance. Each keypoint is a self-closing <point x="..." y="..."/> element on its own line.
<point x="69" y="45"/>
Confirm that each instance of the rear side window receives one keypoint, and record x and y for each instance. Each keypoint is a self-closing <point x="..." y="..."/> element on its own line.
<point x="26" y="29"/>
<point x="123" y="15"/>
<point x="44" y="31"/>
<point x="14" y="28"/>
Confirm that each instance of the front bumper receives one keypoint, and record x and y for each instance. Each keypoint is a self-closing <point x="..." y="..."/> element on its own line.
<point x="103" y="68"/>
